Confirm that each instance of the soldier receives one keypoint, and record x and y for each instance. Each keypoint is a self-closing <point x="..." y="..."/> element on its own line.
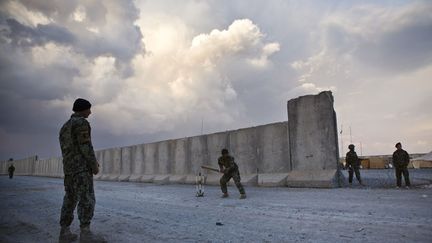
<point x="353" y="164"/>
<point x="79" y="165"/>
<point x="229" y="168"/>
<point x="400" y="163"/>
<point x="11" y="170"/>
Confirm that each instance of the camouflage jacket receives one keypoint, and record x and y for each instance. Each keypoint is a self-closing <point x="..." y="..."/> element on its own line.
<point x="400" y="158"/>
<point x="228" y="163"/>
<point x="11" y="169"/>
<point x="352" y="159"/>
<point x="76" y="146"/>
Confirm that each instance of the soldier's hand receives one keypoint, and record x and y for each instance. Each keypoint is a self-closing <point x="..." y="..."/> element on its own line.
<point x="96" y="169"/>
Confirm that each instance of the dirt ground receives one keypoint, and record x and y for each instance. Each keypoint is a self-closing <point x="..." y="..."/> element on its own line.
<point x="138" y="212"/>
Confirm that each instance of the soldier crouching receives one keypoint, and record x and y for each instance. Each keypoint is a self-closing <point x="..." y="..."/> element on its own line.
<point x="230" y="170"/>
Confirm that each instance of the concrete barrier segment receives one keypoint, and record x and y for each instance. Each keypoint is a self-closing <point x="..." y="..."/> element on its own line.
<point x="137" y="165"/>
<point x="313" y="178"/>
<point x="125" y="164"/>
<point x="161" y="179"/>
<point x="112" y="163"/>
<point x="272" y="179"/>
<point x="177" y="179"/>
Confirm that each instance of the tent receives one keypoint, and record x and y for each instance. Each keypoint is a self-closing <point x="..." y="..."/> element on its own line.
<point x="424" y="161"/>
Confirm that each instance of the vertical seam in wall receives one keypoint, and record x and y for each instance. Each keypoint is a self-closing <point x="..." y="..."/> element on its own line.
<point x="289" y="139"/>
<point x="156" y="159"/>
<point x="188" y="156"/>
<point x="206" y="150"/>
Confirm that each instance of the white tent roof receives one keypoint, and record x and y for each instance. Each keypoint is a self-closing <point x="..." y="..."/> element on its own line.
<point x="426" y="157"/>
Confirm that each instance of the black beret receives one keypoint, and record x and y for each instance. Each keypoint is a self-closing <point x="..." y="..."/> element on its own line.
<point x="81" y="105"/>
<point x="398" y="144"/>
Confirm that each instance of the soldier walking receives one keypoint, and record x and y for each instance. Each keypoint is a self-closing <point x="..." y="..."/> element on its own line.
<point x="229" y="168"/>
<point x="400" y="162"/>
<point x="79" y="165"/>
<point x="11" y="170"/>
<point x="353" y="164"/>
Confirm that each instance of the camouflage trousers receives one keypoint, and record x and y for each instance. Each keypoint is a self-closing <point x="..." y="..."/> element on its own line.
<point x="351" y="171"/>
<point x="402" y="170"/>
<point x="78" y="190"/>
<point x="236" y="177"/>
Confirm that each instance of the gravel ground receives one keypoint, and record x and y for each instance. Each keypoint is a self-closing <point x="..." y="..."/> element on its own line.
<point x="139" y="212"/>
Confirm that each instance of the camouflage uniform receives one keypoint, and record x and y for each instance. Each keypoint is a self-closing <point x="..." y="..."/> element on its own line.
<point x="230" y="168"/>
<point x="79" y="162"/>
<point x="11" y="170"/>
<point x="353" y="164"/>
<point x="400" y="162"/>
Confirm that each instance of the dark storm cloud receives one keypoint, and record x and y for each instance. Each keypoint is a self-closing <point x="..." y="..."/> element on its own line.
<point x="20" y="77"/>
<point x="48" y="58"/>
<point x="21" y="35"/>
<point x="107" y="27"/>
<point x="54" y="51"/>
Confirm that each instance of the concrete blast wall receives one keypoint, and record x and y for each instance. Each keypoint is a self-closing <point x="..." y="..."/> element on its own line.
<point x="262" y="149"/>
<point x="313" y="141"/>
<point x="300" y="152"/>
<point x="22" y="166"/>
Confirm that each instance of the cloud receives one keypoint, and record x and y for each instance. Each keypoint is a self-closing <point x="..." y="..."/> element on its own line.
<point x="376" y="39"/>
<point x="48" y="58"/>
<point x="21" y="35"/>
<point x="156" y="69"/>
<point x="188" y="83"/>
<point x="377" y="57"/>
<point x="88" y="24"/>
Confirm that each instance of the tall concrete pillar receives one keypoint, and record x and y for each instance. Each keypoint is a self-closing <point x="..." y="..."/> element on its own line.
<point x="313" y="141"/>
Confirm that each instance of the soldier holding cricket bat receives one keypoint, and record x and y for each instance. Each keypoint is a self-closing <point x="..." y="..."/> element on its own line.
<point x="230" y="170"/>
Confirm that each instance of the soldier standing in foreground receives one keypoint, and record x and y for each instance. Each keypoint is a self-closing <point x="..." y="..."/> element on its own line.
<point x="400" y="163"/>
<point x="353" y="164"/>
<point x="229" y="168"/>
<point x="11" y="170"/>
<point x="79" y="165"/>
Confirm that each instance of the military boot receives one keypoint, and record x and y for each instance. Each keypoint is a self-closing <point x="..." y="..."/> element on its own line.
<point x="243" y="196"/>
<point x="66" y="235"/>
<point x="225" y="195"/>
<point x="86" y="236"/>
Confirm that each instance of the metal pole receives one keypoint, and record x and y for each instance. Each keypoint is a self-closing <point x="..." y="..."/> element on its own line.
<point x="202" y="125"/>
<point x="350" y="136"/>
<point x="341" y="135"/>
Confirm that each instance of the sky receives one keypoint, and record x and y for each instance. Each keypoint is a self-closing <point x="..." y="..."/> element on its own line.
<point x="164" y="69"/>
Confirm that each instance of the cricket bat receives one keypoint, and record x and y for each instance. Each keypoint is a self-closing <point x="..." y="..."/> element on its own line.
<point x="209" y="168"/>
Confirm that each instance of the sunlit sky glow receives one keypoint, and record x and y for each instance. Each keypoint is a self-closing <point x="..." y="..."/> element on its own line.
<point x="158" y="69"/>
